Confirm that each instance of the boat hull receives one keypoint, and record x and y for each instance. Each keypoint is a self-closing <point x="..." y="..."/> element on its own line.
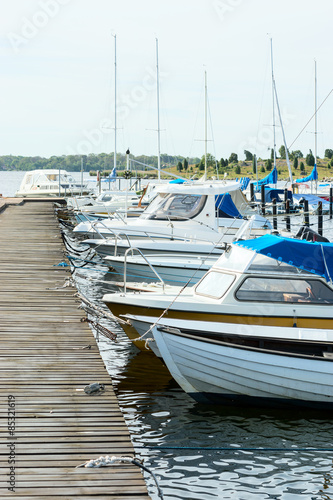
<point x="209" y="370"/>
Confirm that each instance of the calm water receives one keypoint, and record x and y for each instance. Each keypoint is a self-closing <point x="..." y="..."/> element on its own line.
<point x="184" y="442"/>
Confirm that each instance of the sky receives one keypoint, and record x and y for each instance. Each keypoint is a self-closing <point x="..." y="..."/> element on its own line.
<point x="57" y="77"/>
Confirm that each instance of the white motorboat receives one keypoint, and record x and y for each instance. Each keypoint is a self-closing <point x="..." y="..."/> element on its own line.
<point x="205" y="212"/>
<point x="246" y="290"/>
<point x="230" y="369"/>
<point x="50" y="182"/>
<point x="172" y="270"/>
<point x="260" y="332"/>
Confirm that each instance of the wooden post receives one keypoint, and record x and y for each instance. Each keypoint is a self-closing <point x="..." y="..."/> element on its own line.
<point x="263" y="200"/>
<point x="252" y="192"/>
<point x="274" y="215"/>
<point x="287" y="214"/>
<point x="306" y="213"/>
<point x="320" y="218"/>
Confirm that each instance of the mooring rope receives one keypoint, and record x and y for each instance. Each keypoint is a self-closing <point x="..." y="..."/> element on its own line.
<point x="106" y="461"/>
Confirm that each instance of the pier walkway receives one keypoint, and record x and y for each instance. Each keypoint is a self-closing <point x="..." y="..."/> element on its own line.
<point x="49" y="425"/>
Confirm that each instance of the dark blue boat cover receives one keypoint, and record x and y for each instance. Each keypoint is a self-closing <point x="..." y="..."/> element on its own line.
<point x="226" y="207"/>
<point x="278" y="194"/>
<point x="313" y="257"/>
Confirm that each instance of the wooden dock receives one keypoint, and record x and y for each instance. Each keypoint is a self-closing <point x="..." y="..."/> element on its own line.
<point x="49" y="425"/>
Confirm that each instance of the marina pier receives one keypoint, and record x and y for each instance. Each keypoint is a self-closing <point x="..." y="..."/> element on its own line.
<point x="50" y="425"/>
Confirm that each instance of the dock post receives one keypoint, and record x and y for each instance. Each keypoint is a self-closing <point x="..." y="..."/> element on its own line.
<point x="263" y="200"/>
<point x="252" y="198"/>
<point x="287" y="214"/>
<point x="306" y="213"/>
<point x="320" y="218"/>
<point x="274" y="215"/>
<point x="331" y="202"/>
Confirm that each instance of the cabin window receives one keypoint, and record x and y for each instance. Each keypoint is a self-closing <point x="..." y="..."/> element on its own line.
<point x="175" y="207"/>
<point x="261" y="289"/>
<point x="106" y="197"/>
<point x="52" y="177"/>
<point x="214" y="284"/>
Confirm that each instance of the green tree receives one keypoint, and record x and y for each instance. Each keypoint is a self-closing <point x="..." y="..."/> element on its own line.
<point x="282" y="152"/>
<point x="301" y="167"/>
<point x="328" y="153"/>
<point x="295" y="164"/>
<point x="310" y="160"/>
<point x="237" y="170"/>
<point x="248" y="155"/>
<point x="179" y="166"/>
<point x="233" y="158"/>
<point x="272" y="154"/>
<point x="185" y="164"/>
<point x="268" y="165"/>
<point x="297" y="154"/>
<point x="262" y="168"/>
<point x="222" y="163"/>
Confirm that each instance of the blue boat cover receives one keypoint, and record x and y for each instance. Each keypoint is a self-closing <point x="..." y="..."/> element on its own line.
<point x="271" y="178"/>
<point x="313" y="257"/>
<point x="313" y="199"/>
<point x="226" y="207"/>
<point x="245" y="181"/>
<point x="278" y="194"/>
<point x="112" y="176"/>
<point x="312" y="177"/>
<point x="177" y="181"/>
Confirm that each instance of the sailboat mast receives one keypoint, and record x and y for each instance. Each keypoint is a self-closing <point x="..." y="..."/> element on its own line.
<point x="274" y="132"/>
<point x="315" y="113"/>
<point x="205" y="125"/>
<point x="158" y="116"/>
<point x="115" y="103"/>
<point x="280" y="118"/>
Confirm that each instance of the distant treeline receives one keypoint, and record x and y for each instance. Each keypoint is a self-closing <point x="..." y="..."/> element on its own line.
<point x="102" y="161"/>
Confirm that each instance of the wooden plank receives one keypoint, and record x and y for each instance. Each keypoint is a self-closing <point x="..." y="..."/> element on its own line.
<point x="44" y="366"/>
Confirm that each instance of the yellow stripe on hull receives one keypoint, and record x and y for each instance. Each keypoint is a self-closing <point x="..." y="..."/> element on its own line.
<point x="280" y="321"/>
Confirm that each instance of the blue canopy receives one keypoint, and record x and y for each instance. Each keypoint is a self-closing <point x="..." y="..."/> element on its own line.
<point x="226" y="207"/>
<point x="271" y="178"/>
<point x="313" y="257"/>
<point x="312" y="177"/>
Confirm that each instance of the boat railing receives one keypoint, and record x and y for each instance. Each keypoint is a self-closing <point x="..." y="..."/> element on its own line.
<point x="108" y="229"/>
<point x="132" y="250"/>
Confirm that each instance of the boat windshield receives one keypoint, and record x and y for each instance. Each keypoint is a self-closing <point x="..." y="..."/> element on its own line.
<point x="214" y="284"/>
<point x="174" y="206"/>
<point x="265" y="289"/>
